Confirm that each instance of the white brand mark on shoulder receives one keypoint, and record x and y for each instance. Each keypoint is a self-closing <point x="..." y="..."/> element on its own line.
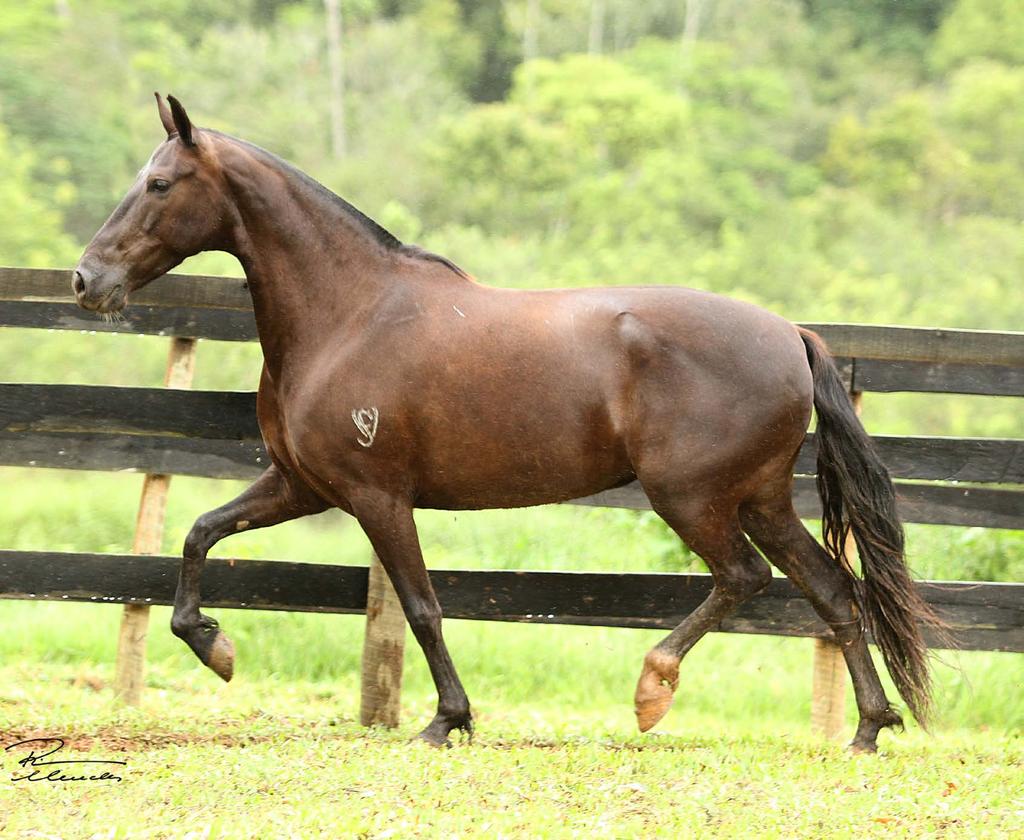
<point x="366" y="422"/>
<point x="463" y="314"/>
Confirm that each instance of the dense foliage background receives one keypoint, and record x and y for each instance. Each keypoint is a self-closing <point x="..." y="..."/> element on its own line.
<point x="846" y="160"/>
<point x="859" y="160"/>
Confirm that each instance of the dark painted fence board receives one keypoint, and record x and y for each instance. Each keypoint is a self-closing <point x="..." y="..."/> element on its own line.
<point x="984" y="460"/>
<point x="229" y="459"/>
<point x="230" y="293"/>
<point x="923" y="344"/>
<point x="140" y="319"/>
<point x="231" y="415"/>
<point x="925" y="503"/>
<point x="881" y="375"/>
<point x="224" y="415"/>
<point x="204" y="457"/>
<point x="185" y="290"/>
<point x="215" y="434"/>
<point x="989" y="615"/>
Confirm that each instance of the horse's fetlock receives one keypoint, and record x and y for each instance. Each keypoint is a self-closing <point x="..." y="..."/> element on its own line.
<point x="457" y="715"/>
<point x="181" y="626"/>
<point x="664" y="664"/>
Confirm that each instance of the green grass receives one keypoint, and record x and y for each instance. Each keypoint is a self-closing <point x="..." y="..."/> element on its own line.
<point x="268" y="758"/>
<point x="276" y="752"/>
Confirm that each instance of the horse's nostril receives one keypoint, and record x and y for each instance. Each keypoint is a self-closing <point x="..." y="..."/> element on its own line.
<point x="78" y="284"/>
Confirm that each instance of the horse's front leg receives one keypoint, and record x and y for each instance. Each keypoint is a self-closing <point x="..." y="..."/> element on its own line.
<point x="389" y="525"/>
<point x="274" y="497"/>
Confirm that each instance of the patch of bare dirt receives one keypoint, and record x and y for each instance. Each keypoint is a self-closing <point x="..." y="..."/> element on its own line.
<point x="116" y="739"/>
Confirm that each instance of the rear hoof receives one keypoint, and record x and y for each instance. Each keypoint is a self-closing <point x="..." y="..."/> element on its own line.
<point x="866" y="738"/>
<point x="221" y="658"/>
<point x="436" y="733"/>
<point x="434" y="740"/>
<point x="655" y="688"/>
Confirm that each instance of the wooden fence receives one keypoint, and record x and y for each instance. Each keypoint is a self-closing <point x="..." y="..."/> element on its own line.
<point x="164" y="432"/>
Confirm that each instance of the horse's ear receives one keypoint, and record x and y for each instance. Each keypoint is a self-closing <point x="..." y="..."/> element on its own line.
<point x="182" y="124"/>
<point x="165" y="115"/>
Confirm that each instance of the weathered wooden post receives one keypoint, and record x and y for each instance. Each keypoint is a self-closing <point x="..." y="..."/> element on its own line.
<point x="149" y="534"/>
<point x="828" y="684"/>
<point x="383" y="651"/>
<point x="828" y="691"/>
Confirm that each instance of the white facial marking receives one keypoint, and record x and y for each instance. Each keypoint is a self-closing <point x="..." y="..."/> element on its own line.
<point x="366" y="422"/>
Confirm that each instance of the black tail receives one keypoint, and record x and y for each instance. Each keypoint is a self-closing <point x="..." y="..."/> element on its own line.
<point x="857" y="496"/>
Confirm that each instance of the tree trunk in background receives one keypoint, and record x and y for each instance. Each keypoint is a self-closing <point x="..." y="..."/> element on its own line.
<point x="530" y="25"/>
<point x="336" y="65"/>
<point x="383" y="652"/>
<point x="691" y="26"/>
<point x="129" y="669"/>
<point x="595" y="41"/>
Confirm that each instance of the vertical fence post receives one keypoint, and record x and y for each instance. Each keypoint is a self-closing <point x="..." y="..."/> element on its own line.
<point x="383" y="651"/>
<point x="828" y="684"/>
<point x="828" y="691"/>
<point x="149" y="534"/>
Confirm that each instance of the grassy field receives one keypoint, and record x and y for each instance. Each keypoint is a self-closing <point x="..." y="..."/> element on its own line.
<point x="556" y="752"/>
<point x="270" y="758"/>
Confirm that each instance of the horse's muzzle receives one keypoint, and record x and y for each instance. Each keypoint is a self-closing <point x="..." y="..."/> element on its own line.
<point x="97" y="291"/>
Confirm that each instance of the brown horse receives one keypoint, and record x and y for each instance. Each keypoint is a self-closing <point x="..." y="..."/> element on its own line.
<point x="392" y="380"/>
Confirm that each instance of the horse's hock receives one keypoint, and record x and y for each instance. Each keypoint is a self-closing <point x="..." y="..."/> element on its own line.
<point x="956" y="481"/>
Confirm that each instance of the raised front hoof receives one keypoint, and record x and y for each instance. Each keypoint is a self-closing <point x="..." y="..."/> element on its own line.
<point x="208" y="642"/>
<point x="655" y="688"/>
<point x="436" y="732"/>
<point x="221" y="657"/>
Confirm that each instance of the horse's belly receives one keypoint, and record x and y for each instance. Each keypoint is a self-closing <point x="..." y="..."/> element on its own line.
<point x="516" y="454"/>
<point x="519" y="482"/>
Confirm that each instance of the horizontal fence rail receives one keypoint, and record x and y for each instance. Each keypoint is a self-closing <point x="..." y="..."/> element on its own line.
<point x="876" y="358"/>
<point x="985" y="616"/>
<point x="215" y="434"/>
<point x="953" y="481"/>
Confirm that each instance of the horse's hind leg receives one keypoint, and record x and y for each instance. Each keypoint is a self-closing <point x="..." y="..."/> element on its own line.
<point x="738" y="572"/>
<point x="779" y="533"/>
<point x="271" y="499"/>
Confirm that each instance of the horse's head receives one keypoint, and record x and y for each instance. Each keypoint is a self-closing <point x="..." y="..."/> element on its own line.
<point x="177" y="207"/>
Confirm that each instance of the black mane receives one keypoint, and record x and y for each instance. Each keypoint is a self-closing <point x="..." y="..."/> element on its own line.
<point x="380" y="234"/>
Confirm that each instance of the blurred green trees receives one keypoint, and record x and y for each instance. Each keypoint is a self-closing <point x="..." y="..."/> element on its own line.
<point x="858" y="160"/>
<point x="30" y="227"/>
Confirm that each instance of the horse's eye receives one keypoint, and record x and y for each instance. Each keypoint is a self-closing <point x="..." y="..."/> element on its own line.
<point x="160" y="185"/>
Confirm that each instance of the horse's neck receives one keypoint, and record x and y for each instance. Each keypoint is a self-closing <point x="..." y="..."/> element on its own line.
<point x="311" y="265"/>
